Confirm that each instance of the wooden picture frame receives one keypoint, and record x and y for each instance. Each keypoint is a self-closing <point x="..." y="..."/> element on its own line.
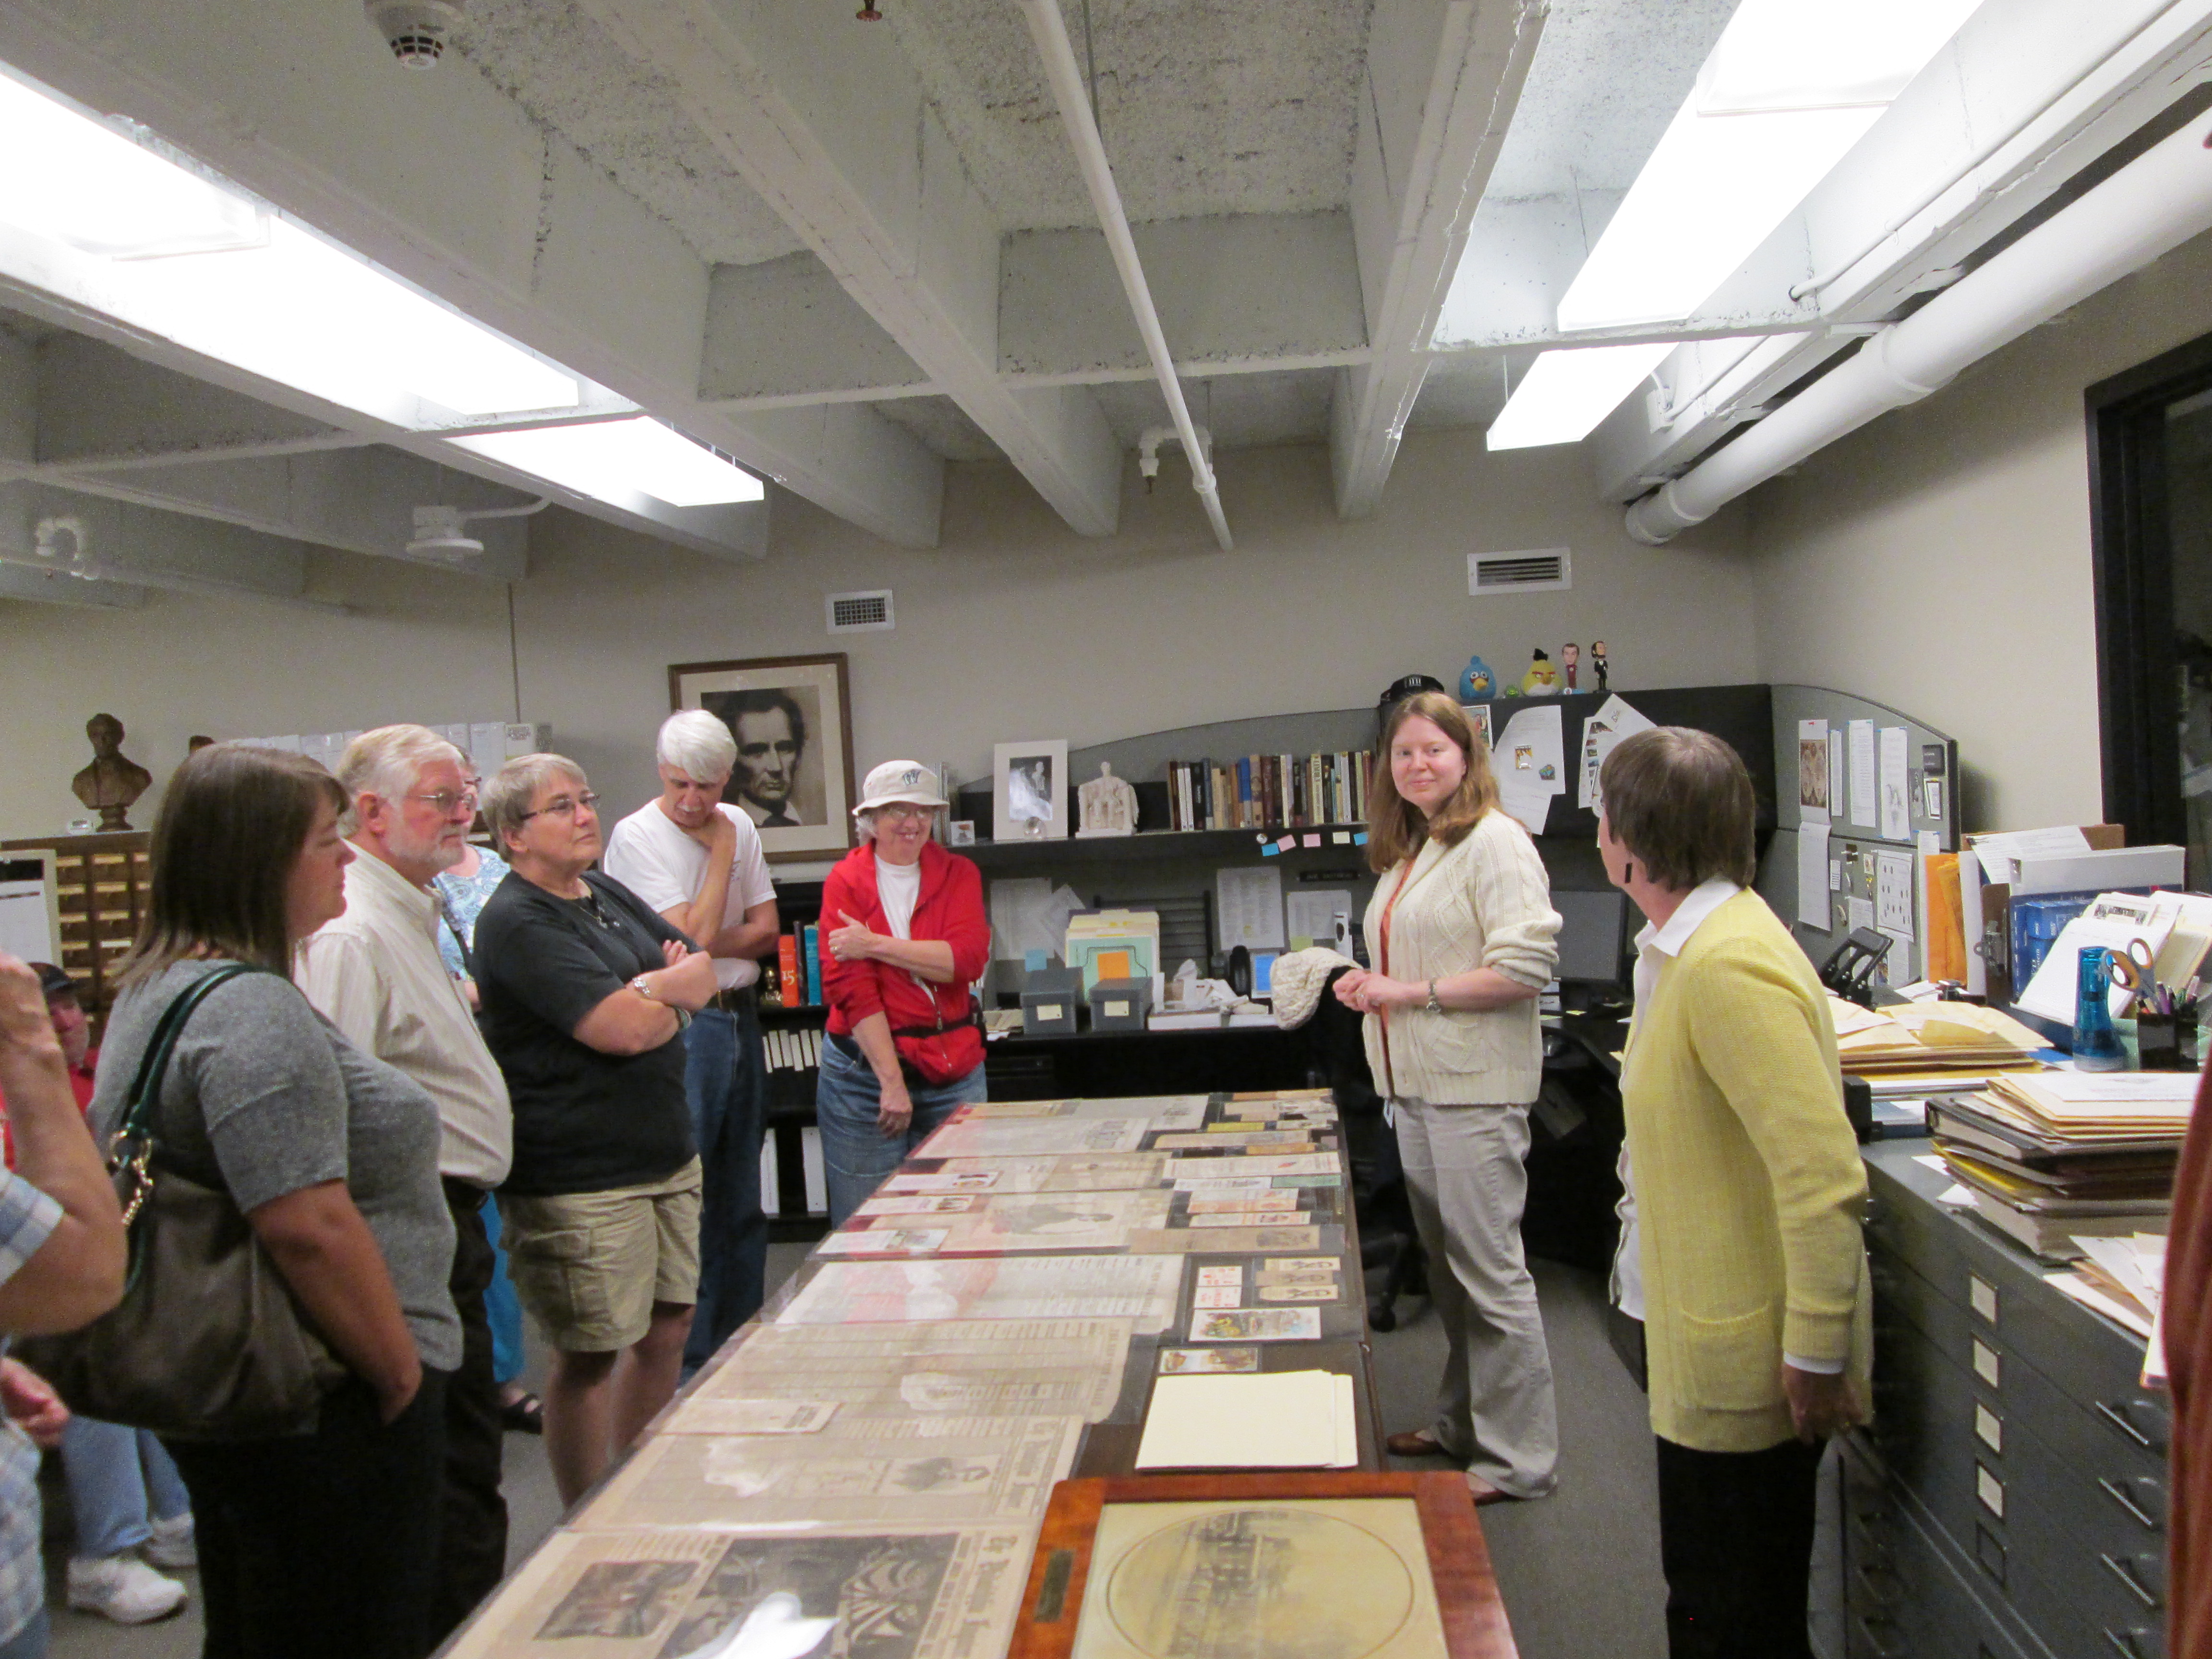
<point x="1465" y="1589"/>
<point x="1024" y="775"/>
<point x="792" y="720"/>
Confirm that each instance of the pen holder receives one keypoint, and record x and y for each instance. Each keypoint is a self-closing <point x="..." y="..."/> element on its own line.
<point x="2167" y="1043"/>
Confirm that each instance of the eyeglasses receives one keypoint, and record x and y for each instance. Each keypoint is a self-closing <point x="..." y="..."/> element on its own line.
<point x="898" y="811"/>
<point x="566" y="807"/>
<point x="446" y="800"/>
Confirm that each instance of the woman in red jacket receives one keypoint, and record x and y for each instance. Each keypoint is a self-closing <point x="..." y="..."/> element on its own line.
<point x="907" y="935"/>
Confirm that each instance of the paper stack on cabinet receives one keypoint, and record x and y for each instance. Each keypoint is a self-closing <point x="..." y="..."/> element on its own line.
<point x="1270" y="1420"/>
<point x="1920" y="1047"/>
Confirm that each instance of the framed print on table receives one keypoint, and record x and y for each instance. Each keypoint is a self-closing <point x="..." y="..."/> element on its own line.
<point x="1029" y="790"/>
<point x="1348" y="1566"/>
<point x="792" y="720"/>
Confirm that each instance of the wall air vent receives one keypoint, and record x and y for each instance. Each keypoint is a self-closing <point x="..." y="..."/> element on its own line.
<point x="1532" y="570"/>
<point x="860" y="613"/>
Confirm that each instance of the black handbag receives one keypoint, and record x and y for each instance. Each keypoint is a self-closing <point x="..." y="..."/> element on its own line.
<point x="208" y="1343"/>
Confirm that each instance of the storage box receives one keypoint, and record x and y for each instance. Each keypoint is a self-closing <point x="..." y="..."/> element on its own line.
<point x="1120" y="1005"/>
<point x="1049" y="1000"/>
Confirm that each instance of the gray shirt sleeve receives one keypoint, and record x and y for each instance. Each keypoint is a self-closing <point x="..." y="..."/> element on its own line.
<point x="259" y="1060"/>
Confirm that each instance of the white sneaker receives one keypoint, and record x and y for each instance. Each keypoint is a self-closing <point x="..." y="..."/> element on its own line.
<point x="122" y="1588"/>
<point x="173" y="1545"/>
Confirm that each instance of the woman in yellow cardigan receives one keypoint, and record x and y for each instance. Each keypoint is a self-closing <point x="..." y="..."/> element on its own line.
<point x="1748" y="1192"/>
<point x="1461" y="932"/>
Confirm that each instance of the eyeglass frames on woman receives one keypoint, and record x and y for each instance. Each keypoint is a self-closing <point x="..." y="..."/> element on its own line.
<point x="899" y="811"/>
<point x="566" y="807"/>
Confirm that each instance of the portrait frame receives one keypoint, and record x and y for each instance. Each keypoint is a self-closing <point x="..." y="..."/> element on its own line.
<point x="816" y="781"/>
<point x="1015" y="787"/>
<point x="1457" y="1564"/>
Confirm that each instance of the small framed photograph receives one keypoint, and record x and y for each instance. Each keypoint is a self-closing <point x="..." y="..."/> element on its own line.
<point x="1478" y="716"/>
<point x="1029" y="792"/>
<point x="960" y="832"/>
<point x="792" y="720"/>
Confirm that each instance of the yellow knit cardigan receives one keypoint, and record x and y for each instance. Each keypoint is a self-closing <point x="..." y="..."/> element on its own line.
<point x="1749" y="1188"/>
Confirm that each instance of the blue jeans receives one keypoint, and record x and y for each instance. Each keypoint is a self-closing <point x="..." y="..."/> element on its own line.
<point x="856" y="1154"/>
<point x="726" y="1085"/>
<point x="501" y="1306"/>
<point x="119" y="1479"/>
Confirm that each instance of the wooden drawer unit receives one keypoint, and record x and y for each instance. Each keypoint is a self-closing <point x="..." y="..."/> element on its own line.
<point x="101" y="885"/>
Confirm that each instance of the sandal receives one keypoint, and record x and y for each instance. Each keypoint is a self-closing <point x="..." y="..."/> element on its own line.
<point x="1414" y="1442"/>
<point x="524" y="1414"/>
<point x="1482" y="1492"/>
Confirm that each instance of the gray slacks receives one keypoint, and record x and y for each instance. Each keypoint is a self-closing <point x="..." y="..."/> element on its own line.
<point x="1466" y="1177"/>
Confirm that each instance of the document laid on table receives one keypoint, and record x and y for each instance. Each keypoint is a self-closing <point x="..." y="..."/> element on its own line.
<point x="1140" y="1288"/>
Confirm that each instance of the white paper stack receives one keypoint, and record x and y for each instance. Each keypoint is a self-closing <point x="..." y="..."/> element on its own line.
<point x="1270" y="1420"/>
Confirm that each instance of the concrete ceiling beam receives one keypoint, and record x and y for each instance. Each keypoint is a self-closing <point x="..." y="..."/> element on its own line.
<point x="1998" y="127"/>
<point x="54" y="587"/>
<point x="138" y="547"/>
<point x="1441" y="81"/>
<point x="830" y="126"/>
<point x="304" y="106"/>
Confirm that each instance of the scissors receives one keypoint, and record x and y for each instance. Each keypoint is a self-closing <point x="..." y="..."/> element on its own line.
<point x="2131" y="970"/>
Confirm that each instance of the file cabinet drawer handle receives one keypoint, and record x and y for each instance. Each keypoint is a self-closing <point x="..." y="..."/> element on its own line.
<point x="2119" y="1494"/>
<point x="2119" y="1419"/>
<point x="2125" y="1574"/>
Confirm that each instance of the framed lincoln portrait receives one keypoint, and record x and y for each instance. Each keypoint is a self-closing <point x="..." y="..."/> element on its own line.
<point x="791" y="718"/>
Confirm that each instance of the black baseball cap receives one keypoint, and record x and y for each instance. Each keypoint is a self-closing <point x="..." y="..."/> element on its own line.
<point x="1399" y="690"/>
<point x="53" y="981"/>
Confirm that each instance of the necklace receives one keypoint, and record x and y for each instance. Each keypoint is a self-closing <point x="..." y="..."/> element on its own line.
<point x="598" y="911"/>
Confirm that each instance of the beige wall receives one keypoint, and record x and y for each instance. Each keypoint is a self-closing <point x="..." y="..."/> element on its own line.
<point x="1938" y="560"/>
<point x="1014" y="628"/>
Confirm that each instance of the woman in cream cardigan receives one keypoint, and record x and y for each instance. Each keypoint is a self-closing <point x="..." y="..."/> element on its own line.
<point x="1461" y="932"/>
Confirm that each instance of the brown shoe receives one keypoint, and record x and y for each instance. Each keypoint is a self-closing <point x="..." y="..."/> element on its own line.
<point x="1482" y="1492"/>
<point x="1414" y="1442"/>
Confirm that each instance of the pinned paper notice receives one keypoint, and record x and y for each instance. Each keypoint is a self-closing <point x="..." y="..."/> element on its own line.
<point x="1863" y="773"/>
<point x="1525" y="791"/>
<point x="1896" y="787"/>
<point x="1813" y="873"/>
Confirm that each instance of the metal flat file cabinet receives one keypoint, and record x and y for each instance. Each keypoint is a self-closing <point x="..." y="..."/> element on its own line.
<point x="2009" y="1500"/>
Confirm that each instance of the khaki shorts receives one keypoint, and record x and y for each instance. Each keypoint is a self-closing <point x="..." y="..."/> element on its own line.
<point x="590" y="1266"/>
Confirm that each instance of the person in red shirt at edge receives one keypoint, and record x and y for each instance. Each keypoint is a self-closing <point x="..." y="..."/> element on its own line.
<point x="904" y="935"/>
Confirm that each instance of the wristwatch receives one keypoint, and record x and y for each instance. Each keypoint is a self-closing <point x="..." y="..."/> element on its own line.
<point x="638" y="985"/>
<point x="1434" y="1007"/>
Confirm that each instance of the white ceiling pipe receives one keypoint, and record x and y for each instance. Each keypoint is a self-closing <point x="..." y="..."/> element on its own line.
<point x="1050" y="30"/>
<point x="2151" y="206"/>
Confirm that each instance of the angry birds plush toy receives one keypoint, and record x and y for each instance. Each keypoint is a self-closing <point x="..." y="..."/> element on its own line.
<point x="1476" y="683"/>
<point x="1542" y="680"/>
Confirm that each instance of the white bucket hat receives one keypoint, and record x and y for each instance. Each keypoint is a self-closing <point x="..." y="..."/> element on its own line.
<point x="900" y="780"/>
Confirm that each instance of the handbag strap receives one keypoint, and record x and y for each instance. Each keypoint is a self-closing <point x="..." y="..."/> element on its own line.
<point x="138" y="1105"/>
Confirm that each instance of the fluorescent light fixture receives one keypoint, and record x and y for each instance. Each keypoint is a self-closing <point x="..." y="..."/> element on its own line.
<point x="617" y="461"/>
<point x="1789" y="88"/>
<point x="257" y="291"/>
<point x="1565" y="394"/>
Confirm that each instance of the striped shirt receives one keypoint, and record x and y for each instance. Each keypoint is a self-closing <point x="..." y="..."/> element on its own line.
<point x="28" y="1216"/>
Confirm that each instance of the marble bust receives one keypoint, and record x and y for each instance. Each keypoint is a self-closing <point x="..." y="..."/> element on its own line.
<point x="113" y="781"/>
<point x="1108" y="806"/>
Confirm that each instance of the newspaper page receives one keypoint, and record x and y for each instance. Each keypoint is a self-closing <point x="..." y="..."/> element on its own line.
<point x="1055" y="1221"/>
<point x="883" y="1592"/>
<point x="1076" y="1172"/>
<point x="960" y="1367"/>
<point x="1035" y="1137"/>
<point x="1140" y="1288"/>
<point x="930" y="1471"/>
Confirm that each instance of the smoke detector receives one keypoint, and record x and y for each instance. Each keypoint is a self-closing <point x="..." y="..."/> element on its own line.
<point x="440" y="532"/>
<point x="414" y="29"/>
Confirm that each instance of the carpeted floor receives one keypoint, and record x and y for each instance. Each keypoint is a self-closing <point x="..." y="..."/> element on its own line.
<point x="1579" y="1571"/>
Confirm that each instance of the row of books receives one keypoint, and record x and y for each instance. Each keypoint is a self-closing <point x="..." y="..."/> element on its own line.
<point x="1256" y="791"/>
<point x="798" y="968"/>
<point x="792" y="1050"/>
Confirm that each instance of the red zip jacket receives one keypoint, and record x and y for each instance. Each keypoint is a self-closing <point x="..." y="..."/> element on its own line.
<point x="951" y="909"/>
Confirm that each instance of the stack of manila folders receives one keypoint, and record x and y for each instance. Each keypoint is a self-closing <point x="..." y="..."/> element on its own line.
<point x="1919" y="1048"/>
<point x="2062" y="1156"/>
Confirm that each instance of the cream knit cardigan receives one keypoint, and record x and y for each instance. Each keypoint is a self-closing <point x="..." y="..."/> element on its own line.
<point x="1484" y="904"/>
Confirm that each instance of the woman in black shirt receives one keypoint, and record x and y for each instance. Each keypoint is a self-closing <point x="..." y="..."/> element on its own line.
<point x="584" y="990"/>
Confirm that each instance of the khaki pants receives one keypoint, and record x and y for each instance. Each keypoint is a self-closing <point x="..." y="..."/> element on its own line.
<point x="1467" y="1182"/>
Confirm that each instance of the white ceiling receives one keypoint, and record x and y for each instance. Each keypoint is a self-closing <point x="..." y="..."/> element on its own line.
<point x="848" y="252"/>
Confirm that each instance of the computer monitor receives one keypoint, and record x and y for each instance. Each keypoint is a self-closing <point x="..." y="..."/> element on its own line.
<point x="1592" y="936"/>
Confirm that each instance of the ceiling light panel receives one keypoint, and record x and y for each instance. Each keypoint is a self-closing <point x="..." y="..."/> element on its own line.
<point x="1789" y="88"/>
<point x="1565" y="394"/>
<point x="160" y="247"/>
<point x="617" y="461"/>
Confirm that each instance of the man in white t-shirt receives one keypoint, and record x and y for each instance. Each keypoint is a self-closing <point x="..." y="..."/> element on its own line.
<point x="700" y="865"/>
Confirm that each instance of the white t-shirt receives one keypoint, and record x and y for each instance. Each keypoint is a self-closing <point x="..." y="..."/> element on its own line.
<point x="648" y="854"/>
<point x="899" y="886"/>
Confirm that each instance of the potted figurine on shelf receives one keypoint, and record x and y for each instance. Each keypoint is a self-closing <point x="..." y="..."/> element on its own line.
<point x="1542" y="680"/>
<point x="1597" y="661"/>
<point x="1571" y="656"/>
<point x="1476" y="683"/>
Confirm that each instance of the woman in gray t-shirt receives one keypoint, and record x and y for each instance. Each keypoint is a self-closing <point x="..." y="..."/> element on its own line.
<point x="323" y="1542"/>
